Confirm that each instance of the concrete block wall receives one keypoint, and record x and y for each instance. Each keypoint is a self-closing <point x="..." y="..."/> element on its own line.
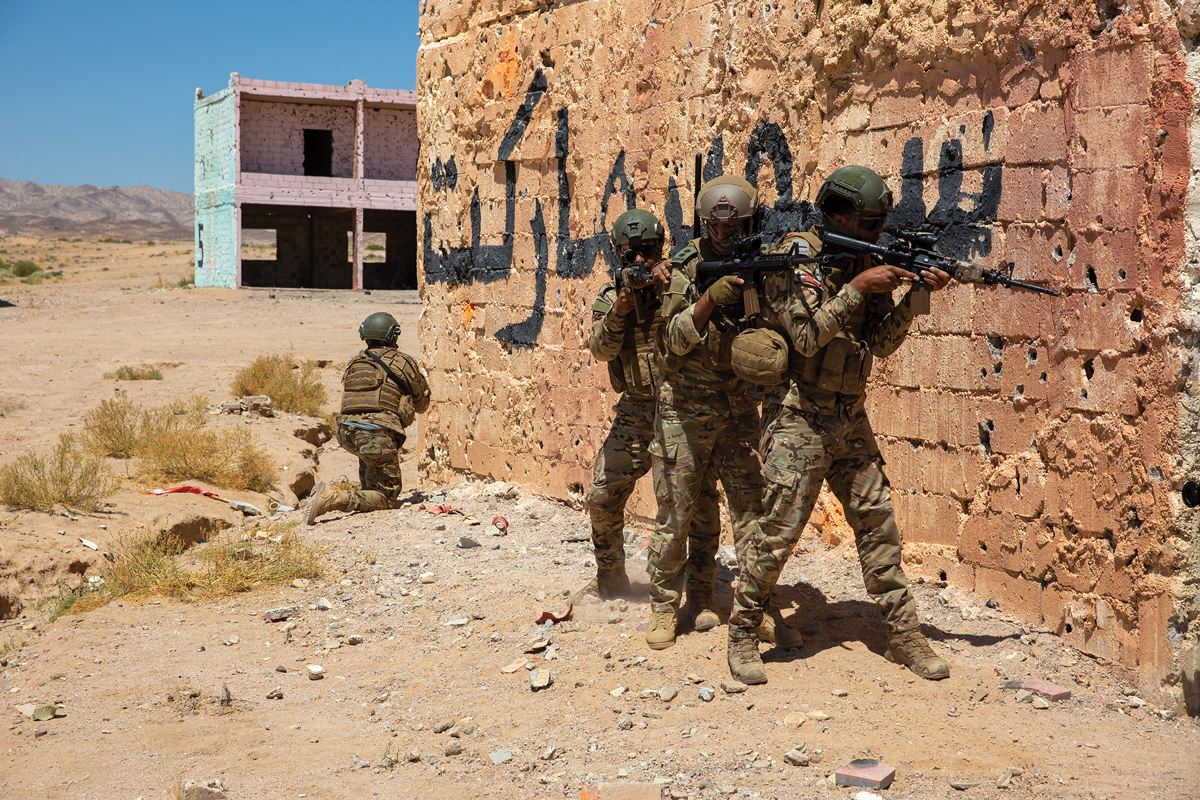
<point x="217" y="227"/>
<point x="390" y="144"/>
<point x="273" y="136"/>
<point x="1037" y="445"/>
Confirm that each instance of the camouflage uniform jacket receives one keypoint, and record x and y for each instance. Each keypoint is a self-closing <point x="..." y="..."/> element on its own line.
<point x="696" y="368"/>
<point x="625" y="344"/>
<point x="834" y="332"/>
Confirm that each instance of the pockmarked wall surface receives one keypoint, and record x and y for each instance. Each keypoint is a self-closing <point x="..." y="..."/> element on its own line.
<point x="1038" y="447"/>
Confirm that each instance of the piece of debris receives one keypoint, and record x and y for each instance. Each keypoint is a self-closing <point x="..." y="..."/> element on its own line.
<point x="466" y="542"/>
<point x="536" y="645"/>
<point x="796" y="758"/>
<point x="550" y="616"/>
<point x="453" y="748"/>
<point x="209" y="790"/>
<point x="794" y="719"/>
<point x="870" y="773"/>
<point x="428" y="577"/>
<point x="47" y="712"/>
<point x="514" y="666"/>
<point x="90" y="545"/>
<point x="315" y="672"/>
<point x="323" y="604"/>
<point x="457" y="622"/>
<point x="733" y="687"/>
<point x="354" y="639"/>
<point x="500" y="756"/>
<point x="275" y="694"/>
<point x="705" y="693"/>
<point x="817" y="716"/>
<point x="281" y="613"/>
<point x="499" y="526"/>
<point x="231" y="641"/>
<point x="540" y="679"/>
<point x="1050" y="690"/>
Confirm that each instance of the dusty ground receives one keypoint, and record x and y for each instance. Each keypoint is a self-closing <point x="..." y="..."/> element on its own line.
<point x="142" y="683"/>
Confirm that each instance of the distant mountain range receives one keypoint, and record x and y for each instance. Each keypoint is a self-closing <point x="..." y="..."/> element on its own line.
<point x="135" y="212"/>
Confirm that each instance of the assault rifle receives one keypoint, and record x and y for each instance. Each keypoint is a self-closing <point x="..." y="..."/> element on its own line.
<point x="635" y="277"/>
<point x="748" y="262"/>
<point x="913" y="251"/>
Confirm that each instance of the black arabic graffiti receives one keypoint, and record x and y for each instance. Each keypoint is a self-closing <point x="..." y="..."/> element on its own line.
<point x="963" y="233"/>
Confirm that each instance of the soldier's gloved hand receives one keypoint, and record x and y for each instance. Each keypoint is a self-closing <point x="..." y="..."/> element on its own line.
<point x="726" y="291"/>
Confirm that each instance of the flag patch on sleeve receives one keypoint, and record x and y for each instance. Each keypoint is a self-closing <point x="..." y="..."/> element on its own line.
<point x="807" y="279"/>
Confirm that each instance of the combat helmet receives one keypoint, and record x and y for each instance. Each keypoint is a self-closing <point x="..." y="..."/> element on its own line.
<point x="857" y="192"/>
<point x="379" y="327"/>
<point x="637" y="232"/>
<point x="726" y="198"/>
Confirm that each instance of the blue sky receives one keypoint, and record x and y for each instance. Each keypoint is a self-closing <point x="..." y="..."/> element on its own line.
<point x="102" y="93"/>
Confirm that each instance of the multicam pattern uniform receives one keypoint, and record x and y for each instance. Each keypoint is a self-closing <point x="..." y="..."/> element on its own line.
<point x="815" y="428"/>
<point x="624" y="456"/>
<point x="376" y="437"/>
<point x="706" y="424"/>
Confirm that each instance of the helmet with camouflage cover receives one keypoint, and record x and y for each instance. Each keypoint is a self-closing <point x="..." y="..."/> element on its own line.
<point x="379" y="327"/>
<point x="860" y="195"/>
<point x="726" y="199"/>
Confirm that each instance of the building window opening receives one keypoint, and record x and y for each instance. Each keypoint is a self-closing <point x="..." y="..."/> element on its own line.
<point x="259" y="244"/>
<point x="318" y="153"/>
<point x="375" y="247"/>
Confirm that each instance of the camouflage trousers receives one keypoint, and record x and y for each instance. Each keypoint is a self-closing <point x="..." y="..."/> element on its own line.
<point x="800" y="450"/>
<point x="622" y="459"/>
<point x="378" y="451"/>
<point x="691" y="449"/>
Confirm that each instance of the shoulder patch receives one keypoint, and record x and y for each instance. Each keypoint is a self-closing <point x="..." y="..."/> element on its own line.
<point x="606" y="298"/>
<point x="684" y="255"/>
<point x="807" y="279"/>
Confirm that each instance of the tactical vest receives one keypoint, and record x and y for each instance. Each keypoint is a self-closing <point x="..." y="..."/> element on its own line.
<point x="716" y="349"/>
<point x="366" y="387"/>
<point x="844" y="364"/>
<point x="634" y="370"/>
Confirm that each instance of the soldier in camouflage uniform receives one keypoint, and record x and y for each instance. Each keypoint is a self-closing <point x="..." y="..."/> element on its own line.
<point x="815" y="426"/>
<point x="626" y="342"/>
<point x="705" y="421"/>
<point x="383" y="391"/>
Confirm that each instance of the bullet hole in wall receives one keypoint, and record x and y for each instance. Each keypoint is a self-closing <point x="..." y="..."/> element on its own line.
<point x="942" y="575"/>
<point x="986" y="428"/>
<point x="1092" y="284"/>
<point x="1031" y="356"/>
<point x="1089" y="368"/>
<point x="1019" y="392"/>
<point x="1135" y="315"/>
<point x="1121" y="275"/>
<point x="1191" y="494"/>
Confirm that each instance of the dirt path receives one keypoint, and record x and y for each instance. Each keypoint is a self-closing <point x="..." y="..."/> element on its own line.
<point x="143" y="684"/>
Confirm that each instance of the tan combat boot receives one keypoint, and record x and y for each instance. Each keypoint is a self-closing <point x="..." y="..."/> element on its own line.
<point x="911" y="649"/>
<point x="325" y="501"/>
<point x="775" y="630"/>
<point x="745" y="664"/>
<point x="661" y="633"/>
<point x="612" y="583"/>
<point x="699" y="611"/>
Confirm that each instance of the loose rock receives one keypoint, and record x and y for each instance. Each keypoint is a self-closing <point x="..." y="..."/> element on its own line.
<point x="209" y="790"/>
<point x="667" y="694"/>
<point x="453" y="747"/>
<point x="733" y="687"/>
<point x="500" y="756"/>
<point x="540" y="679"/>
<point x="428" y="577"/>
<point x="275" y="694"/>
<point x="625" y="724"/>
<point x="323" y="604"/>
<point x="796" y="758"/>
<point x="315" y="672"/>
<point x="705" y="693"/>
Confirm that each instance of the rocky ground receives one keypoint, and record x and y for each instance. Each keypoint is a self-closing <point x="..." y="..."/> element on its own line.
<point x="425" y="626"/>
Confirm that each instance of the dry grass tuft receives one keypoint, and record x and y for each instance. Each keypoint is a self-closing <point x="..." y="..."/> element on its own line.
<point x="292" y="387"/>
<point x="68" y="476"/>
<point x="156" y="566"/>
<point x="128" y="373"/>
<point x="8" y="405"/>
<point x="173" y="444"/>
<point x="229" y="459"/>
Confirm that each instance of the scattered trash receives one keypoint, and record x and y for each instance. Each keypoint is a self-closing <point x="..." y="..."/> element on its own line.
<point x="47" y="712"/>
<point x="870" y="773"/>
<point x="472" y="520"/>
<point x="109" y="556"/>
<point x="552" y="617"/>
<point x="90" y="545"/>
<point x="514" y="666"/>
<point x="794" y="720"/>
<point x="540" y="679"/>
<point x="537" y="645"/>
<point x="277" y="508"/>
<point x="245" y="508"/>
<point x="501" y="524"/>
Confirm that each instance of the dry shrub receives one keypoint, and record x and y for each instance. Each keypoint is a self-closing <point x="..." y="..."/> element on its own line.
<point x="68" y="476"/>
<point x="128" y="373"/>
<point x="156" y="566"/>
<point x="173" y="444"/>
<point x="292" y="387"/>
<point x="8" y="405"/>
<point x="229" y="459"/>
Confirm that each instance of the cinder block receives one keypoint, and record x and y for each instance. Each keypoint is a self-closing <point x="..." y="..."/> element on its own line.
<point x="621" y="791"/>
<point x="1037" y="135"/>
<point x="1092" y="322"/>
<point x="892" y="110"/>
<point x="1051" y="691"/>
<point x="1021" y="197"/>
<point x="1040" y="254"/>
<point x="868" y="772"/>
<point x="1095" y="383"/>
<point x="1107" y="138"/>
<point x="1014" y="315"/>
<point x="1014" y="595"/>
<point x="1107" y="199"/>
<point x="1009" y="429"/>
<point x="991" y="541"/>
<point x="950" y="311"/>
<point x="929" y="518"/>
<point x="1112" y="77"/>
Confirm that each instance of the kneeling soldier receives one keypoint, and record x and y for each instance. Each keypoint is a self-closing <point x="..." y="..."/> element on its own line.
<point x="383" y="390"/>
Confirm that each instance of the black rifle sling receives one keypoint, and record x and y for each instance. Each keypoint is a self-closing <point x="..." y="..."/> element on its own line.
<point x="401" y="383"/>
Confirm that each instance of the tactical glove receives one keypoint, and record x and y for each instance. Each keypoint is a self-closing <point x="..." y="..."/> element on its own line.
<point x="726" y="291"/>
